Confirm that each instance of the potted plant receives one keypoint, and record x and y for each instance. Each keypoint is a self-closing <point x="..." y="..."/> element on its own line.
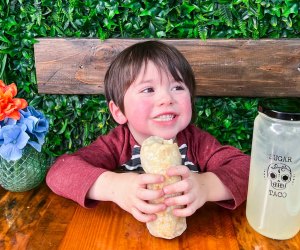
<point x="22" y="134"/>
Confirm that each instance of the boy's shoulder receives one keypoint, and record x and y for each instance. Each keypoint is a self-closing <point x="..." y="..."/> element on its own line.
<point x="119" y="129"/>
<point x="120" y="134"/>
<point x="193" y="129"/>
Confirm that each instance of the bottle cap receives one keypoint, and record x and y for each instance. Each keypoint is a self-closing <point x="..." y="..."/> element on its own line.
<point x="281" y="108"/>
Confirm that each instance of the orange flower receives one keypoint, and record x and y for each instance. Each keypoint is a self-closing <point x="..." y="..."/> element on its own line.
<point x="10" y="106"/>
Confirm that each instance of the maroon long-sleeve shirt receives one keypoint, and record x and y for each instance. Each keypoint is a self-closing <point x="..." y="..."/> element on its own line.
<point x="71" y="176"/>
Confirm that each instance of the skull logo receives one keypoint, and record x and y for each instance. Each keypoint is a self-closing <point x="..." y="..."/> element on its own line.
<point x="279" y="174"/>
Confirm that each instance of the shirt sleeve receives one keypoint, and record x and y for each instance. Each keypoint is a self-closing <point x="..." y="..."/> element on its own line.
<point x="72" y="175"/>
<point x="228" y="163"/>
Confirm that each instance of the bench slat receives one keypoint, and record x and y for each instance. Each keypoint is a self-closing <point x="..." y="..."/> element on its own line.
<point x="223" y="67"/>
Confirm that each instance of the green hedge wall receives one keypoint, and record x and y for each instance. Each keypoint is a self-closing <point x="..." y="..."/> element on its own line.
<point x="77" y="120"/>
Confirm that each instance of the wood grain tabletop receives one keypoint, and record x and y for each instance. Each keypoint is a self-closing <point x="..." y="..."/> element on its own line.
<point x="39" y="219"/>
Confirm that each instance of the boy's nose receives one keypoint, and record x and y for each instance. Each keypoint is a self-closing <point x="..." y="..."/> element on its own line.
<point x="165" y="98"/>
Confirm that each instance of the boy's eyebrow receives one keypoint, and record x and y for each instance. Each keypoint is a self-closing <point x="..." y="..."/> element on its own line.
<point x="143" y="81"/>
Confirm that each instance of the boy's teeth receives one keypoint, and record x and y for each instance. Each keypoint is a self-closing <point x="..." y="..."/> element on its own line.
<point x="164" y="118"/>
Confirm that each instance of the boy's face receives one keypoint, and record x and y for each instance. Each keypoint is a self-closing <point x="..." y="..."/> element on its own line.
<point x="155" y="104"/>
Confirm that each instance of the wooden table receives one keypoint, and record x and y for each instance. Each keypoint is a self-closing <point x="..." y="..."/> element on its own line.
<point x="39" y="219"/>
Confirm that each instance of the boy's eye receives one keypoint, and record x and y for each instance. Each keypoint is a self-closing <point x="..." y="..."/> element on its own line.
<point x="178" y="87"/>
<point x="148" y="90"/>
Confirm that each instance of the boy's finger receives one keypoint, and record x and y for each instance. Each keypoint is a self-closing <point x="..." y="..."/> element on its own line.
<point x="150" y="179"/>
<point x="184" y="212"/>
<point x="141" y="216"/>
<point x="148" y="208"/>
<point x="178" y="187"/>
<point x="181" y="200"/>
<point x="148" y="194"/>
<point x="181" y="170"/>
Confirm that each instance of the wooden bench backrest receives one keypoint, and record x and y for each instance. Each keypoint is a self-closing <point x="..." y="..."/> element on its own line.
<point x="225" y="67"/>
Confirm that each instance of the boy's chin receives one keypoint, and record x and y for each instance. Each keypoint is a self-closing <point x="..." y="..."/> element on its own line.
<point x="167" y="137"/>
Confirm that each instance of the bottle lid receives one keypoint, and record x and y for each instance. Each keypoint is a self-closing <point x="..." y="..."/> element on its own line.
<point x="281" y="108"/>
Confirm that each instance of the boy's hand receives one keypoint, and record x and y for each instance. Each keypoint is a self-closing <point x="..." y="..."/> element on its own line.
<point x="192" y="195"/>
<point x="196" y="189"/>
<point x="130" y="192"/>
<point x="133" y="195"/>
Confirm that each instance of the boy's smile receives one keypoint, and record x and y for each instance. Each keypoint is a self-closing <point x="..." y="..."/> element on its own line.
<point x="166" y="117"/>
<point x="156" y="104"/>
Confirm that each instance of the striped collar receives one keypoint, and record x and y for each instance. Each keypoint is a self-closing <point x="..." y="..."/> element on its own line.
<point x="134" y="164"/>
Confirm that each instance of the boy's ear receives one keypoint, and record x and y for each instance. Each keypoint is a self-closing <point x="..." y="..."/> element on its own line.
<point x="117" y="114"/>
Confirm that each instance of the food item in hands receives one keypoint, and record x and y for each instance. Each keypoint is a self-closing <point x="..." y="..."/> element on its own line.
<point x="157" y="155"/>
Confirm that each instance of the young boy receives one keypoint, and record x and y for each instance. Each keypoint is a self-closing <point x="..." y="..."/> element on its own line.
<point x="150" y="90"/>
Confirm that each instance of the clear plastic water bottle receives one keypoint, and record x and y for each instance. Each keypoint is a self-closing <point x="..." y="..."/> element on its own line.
<point x="273" y="202"/>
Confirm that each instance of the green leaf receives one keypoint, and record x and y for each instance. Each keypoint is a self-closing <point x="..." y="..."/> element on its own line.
<point x="273" y="21"/>
<point x="10" y="22"/>
<point x="3" y="64"/>
<point x="288" y="21"/>
<point x="159" y="21"/>
<point x="188" y="8"/>
<point x="227" y="123"/>
<point x="207" y="112"/>
<point x="290" y="9"/>
<point x="4" y="39"/>
<point x="148" y="12"/>
<point x="225" y="14"/>
<point x="202" y="32"/>
<point x="151" y="28"/>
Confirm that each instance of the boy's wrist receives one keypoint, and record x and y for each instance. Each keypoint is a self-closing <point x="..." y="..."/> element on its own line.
<point x="102" y="189"/>
<point x="214" y="188"/>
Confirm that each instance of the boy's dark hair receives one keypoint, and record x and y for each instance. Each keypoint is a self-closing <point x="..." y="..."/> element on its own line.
<point x="127" y="65"/>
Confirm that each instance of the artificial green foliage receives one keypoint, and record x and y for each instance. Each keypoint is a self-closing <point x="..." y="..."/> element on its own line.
<point x="77" y="120"/>
<point x="228" y="119"/>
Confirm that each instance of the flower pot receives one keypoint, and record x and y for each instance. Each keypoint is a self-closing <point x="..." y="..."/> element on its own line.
<point x="25" y="173"/>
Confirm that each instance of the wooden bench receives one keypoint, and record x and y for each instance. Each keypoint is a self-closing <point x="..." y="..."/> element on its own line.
<point x="225" y="67"/>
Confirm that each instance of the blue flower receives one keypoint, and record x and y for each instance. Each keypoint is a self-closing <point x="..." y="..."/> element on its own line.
<point x="30" y="129"/>
<point x="5" y="122"/>
<point x="37" y="124"/>
<point x="14" y="139"/>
